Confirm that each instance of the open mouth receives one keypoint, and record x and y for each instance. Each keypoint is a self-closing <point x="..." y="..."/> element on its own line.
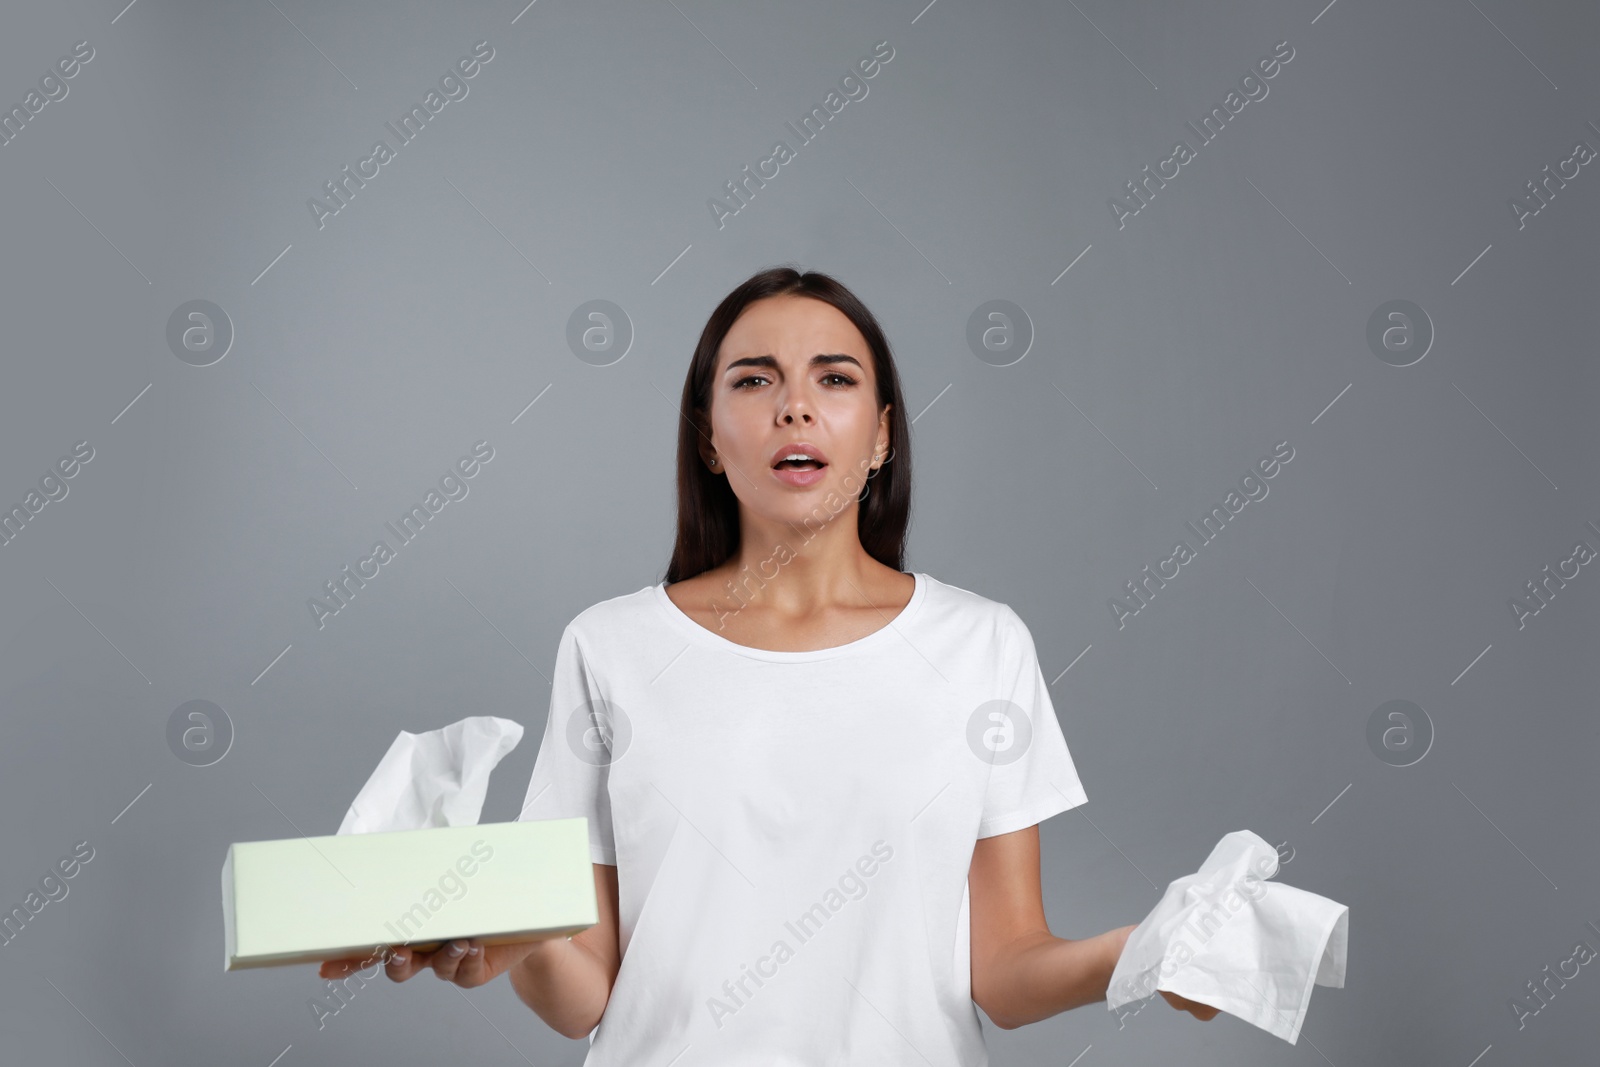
<point x="798" y="465"/>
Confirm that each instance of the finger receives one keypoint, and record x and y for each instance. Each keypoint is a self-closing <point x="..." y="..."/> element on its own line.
<point x="404" y="962"/>
<point x="342" y="967"/>
<point x="473" y="969"/>
<point x="1193" y="1007"/>
<point x="470" y="968"/>
<point x="447" y="960"/>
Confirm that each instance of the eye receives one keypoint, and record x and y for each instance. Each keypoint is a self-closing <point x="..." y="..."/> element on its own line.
<point x="845" y="380"/>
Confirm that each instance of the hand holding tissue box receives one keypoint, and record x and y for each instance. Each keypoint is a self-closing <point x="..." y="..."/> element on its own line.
<point x="410" y="864"/>
<point x="1225" y="937"/>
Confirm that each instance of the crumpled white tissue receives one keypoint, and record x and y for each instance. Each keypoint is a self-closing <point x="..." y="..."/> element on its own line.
<point x="438" y="778"/>
<point x="1224" y="936"/>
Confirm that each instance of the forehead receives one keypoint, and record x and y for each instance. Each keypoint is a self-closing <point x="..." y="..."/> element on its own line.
<point x="792" y="327"/>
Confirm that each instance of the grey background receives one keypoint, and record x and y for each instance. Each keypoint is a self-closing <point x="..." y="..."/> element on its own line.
<point x="1230" y="314"/>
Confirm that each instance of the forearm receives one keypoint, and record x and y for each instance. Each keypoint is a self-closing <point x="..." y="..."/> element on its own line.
<point x="1044" y="975"/>
<point x="565" y="984"/>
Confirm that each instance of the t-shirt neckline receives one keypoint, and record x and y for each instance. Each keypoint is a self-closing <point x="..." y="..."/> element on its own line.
<point x="715" y="640"/>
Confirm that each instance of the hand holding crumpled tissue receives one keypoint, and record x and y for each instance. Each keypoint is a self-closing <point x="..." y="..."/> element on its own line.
<point x="1225" y="937"/>
<point x="438" y="778"/>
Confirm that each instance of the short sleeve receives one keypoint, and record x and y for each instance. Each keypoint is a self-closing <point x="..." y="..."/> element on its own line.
<point x="1041" y="781"/>
<point x="571" y="775"/>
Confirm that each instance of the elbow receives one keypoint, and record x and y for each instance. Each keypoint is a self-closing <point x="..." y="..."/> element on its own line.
<point x="990" y="989"/>
<point x="1001" y="1021"/>
<point x="591" y="1024"/>
<point x="999" y="1018"/>
<point x="571" y="1029"/>
<point x="559" y="1018"/>
<point x="576" y="1030"/>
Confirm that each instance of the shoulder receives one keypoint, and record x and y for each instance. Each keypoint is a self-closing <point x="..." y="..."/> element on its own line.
<point x="614" y="617"/>
<point x="984" y="616"/>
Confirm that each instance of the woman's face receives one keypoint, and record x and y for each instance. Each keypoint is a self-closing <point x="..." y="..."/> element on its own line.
<point x="793" y="369"/>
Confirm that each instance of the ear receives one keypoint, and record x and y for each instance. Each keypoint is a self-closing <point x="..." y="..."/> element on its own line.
<point x="702" y="438"/>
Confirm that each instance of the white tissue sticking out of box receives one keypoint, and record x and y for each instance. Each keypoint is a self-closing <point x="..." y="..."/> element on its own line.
<point x="438" y="778"/>
<point x="1225" y="937"/>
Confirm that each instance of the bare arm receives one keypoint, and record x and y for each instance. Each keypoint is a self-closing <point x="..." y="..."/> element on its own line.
<point x="1022" y="973"/>
<point x="568" y="983"/>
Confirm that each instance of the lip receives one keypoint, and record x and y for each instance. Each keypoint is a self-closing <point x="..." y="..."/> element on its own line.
<point x="799" y="478"/>
<point x="797" y="446"/>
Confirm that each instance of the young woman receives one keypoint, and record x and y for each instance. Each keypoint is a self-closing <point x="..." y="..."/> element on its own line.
<point x="812" y="780"/>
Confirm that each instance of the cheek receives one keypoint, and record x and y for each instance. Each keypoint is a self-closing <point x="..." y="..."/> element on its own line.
<point x="863" y="419"/>
<point x="741" y="431"/>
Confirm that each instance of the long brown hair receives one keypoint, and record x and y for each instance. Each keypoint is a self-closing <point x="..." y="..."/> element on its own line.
<point x="708" y="511"/>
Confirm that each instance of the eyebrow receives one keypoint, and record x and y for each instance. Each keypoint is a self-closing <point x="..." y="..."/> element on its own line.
<point x="819" y="360"/>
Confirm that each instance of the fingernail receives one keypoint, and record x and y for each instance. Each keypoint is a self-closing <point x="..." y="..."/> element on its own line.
<point x="473" y="951"/>
<point x="456" y="948"/>
<point x="399" y="957"/>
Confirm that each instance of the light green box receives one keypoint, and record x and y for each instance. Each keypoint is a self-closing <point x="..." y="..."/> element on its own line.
<point x="305" y="899"/>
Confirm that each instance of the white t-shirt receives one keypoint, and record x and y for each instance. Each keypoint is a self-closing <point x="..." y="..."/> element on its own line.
<point x="792" y="831"/>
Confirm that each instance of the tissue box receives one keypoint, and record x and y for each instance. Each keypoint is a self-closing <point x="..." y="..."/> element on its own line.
<point x="306" y="899"/>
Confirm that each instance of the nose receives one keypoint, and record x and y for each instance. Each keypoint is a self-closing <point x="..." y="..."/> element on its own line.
<point x="794" y="407"/>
